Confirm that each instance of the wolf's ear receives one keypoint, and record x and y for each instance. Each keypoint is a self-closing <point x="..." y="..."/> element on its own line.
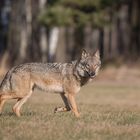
<point x="97" y="53"/>
<point x="84" y="54"/>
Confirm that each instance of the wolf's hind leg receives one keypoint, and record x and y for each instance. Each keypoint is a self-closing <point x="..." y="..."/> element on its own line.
<point x="63" y="109"/>
<point x="19" y="104"/>
<point x="3" y="99"/>
<point x="15" y="106"/>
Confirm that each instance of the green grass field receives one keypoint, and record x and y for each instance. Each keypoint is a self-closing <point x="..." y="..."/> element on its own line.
<point x="109" y="111"/>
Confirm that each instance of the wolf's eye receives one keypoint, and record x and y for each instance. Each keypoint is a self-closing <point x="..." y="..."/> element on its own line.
<point x="96" y="65"/>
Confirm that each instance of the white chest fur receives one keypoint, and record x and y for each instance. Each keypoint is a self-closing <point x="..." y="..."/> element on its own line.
<point x="56" y="88"/>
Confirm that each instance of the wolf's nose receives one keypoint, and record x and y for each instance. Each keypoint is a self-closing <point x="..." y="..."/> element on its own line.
<point x="92" y="73"/>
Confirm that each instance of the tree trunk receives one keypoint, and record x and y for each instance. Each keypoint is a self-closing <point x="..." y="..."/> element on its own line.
<point x="43" y="33"/>
<point x="69" y="36"/>
<point x="88" y="45"/>
<point x="4" y="26"/>
<point x="17" y="24"/>
<point x="26" y="30"/>
<point x="78" y="42"/>
<point x="53" y="40"/>
<point x="110" y="34"/>
<point x="101" y="42"/>
<point x="134" y="23"/>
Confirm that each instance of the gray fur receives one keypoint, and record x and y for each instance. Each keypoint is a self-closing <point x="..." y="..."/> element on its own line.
<point x="63" y="78"/>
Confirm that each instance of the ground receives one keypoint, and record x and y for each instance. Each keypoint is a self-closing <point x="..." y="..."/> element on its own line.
<point x="110" y="110"/>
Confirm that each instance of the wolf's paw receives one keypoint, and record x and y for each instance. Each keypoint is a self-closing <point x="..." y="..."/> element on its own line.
<point x="60" y="109"/>
<point x="77" y="115"/>
<point x="55" y="110"/>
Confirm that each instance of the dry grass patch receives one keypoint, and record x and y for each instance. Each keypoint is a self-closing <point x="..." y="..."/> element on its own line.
<point x="109" y="111"/>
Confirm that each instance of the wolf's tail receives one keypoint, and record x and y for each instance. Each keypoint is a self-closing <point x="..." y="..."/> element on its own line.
<point x="6" y="82"/>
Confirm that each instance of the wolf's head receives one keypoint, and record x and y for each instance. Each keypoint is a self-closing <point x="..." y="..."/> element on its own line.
<point x="88" y="65"/>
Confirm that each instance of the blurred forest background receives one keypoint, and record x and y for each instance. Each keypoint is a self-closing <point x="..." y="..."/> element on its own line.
<point x="57" y="30"/>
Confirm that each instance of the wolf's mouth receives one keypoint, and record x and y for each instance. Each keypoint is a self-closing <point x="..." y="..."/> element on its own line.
<point x="92" y="76"/>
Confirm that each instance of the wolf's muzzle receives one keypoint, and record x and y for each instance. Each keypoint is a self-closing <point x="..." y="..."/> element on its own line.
<point x="92" y="74"/>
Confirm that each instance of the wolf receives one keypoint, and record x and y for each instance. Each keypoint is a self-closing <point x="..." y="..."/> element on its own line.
<point x="63" y="78"/>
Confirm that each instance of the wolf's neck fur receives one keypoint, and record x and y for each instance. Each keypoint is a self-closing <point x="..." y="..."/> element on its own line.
<point x="79" y="78"/>
<point x="69" y="68"/>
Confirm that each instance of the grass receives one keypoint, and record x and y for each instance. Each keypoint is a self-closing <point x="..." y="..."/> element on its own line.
<point x="109" y="111"/>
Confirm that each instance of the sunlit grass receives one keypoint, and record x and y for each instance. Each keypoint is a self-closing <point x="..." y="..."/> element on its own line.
<point x="108" y="112"/>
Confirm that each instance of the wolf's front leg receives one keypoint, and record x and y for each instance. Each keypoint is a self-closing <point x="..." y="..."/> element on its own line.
<point x="72" y="103"/>
<point x="63" y="109"/>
